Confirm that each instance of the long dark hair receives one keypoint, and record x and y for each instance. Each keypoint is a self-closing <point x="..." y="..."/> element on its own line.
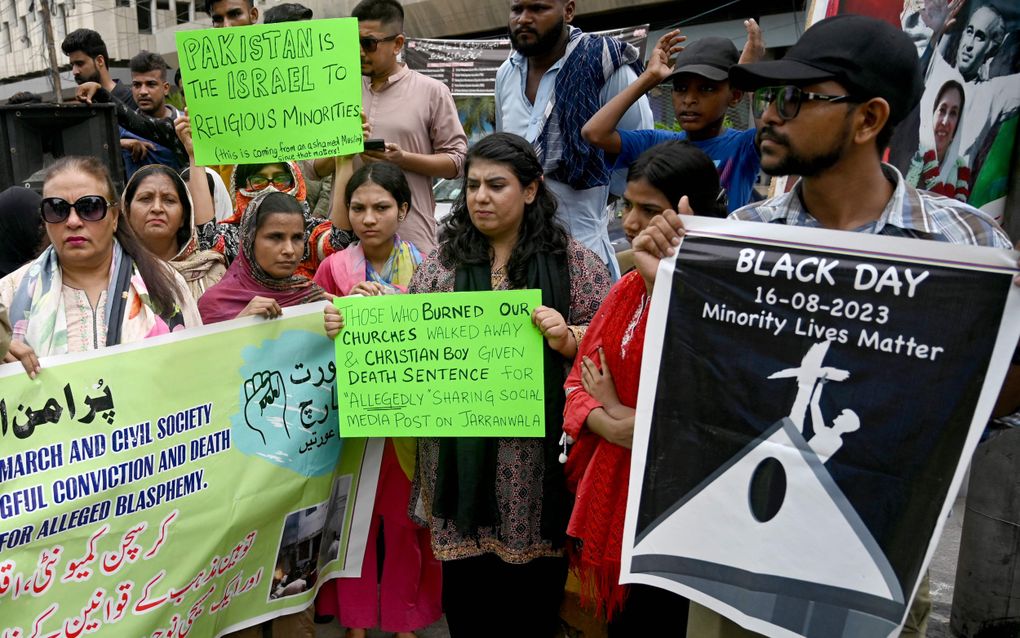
<point x="158" y="277"/>
<point x="461" y="243"/>
<point x="678" y="168"/>
<point x="22" y="234"/>
<point x="386" y="175"/>
<point x="145" y="172"/>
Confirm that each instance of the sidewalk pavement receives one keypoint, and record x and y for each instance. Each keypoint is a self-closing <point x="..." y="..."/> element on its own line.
<point x="943" y="577"/>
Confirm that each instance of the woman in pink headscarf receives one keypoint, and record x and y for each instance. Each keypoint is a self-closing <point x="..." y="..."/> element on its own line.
<point x="261" y="280"/>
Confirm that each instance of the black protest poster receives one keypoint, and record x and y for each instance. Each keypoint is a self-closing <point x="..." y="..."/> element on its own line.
<point x="809" y="401"/>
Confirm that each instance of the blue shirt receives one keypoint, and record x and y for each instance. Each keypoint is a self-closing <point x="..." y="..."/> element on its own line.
<point x="734" y="153"/>
<point x="584" y="211"/>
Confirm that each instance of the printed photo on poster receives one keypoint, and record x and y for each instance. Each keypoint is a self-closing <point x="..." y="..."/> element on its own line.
<point x="336" y="514"/>
<point x="959" y="141"/>
<point x="296" y="567"/>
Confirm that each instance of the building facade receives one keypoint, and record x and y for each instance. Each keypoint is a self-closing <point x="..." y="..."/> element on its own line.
<point x="129" y="26"/>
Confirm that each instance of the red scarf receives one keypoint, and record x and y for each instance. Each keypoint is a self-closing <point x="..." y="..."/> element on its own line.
<point x="599" y="469"/>
<point x="245" y="279"/>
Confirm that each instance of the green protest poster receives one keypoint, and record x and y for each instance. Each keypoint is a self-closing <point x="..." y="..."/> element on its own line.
<point x="192" y="484"/>
<point x="268" y="93"/>
<point x="443" y="364"/>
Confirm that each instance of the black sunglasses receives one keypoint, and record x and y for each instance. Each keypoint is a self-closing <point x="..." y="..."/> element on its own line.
<point x="788" y="100"/>
<point x="280" y="181"/>
<point x="370" y="44"/>
<point x="90" y="208"/>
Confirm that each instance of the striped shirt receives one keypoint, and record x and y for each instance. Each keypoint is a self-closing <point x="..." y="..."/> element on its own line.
<point x="910" y="213"/>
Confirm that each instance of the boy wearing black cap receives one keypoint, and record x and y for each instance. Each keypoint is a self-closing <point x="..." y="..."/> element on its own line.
<point x="827" y="112"/>
<point x="701" y="96"/>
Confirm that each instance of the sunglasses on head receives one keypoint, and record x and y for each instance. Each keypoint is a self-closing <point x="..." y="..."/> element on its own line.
<point x="370" y="44"/>
<point x="281" y="182"/>
<point x="788" y="100"/>
<point x="90" y="208"/>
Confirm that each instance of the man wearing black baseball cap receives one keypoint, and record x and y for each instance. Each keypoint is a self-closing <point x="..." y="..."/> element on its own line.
<point x="827" y="112"/>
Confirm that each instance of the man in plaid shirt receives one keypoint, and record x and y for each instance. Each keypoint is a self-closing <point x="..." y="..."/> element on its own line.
<point x="828" y="109"/>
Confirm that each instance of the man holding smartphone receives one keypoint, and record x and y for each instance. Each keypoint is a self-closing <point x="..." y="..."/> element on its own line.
<point x="413" y="115"/>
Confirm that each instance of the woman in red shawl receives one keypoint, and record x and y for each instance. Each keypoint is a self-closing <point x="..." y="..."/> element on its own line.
<point x="262" y="280"/>
<point x="601" y="395"/>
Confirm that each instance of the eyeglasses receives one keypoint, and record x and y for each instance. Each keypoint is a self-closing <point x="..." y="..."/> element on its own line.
<point x="370" y="44"/>
<point x="788" y="100"/>
<point x="280" y="181"/>
<point x="90" y="208"/>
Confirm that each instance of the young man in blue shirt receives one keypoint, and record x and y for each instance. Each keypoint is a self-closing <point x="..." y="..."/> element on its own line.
<point x="701" y="97"/>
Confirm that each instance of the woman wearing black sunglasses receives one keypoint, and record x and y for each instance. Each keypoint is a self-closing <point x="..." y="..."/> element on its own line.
<point x="95" y="286"/>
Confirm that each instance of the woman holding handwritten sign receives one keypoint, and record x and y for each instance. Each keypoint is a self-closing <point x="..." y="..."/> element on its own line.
<point x="373" y="202"/>
<point x="498" y="507"/>
<point x="96" y="285"/>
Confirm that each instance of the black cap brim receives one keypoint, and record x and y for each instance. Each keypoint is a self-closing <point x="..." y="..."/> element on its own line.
<point x="704" y="70"/>
<point x="776" y="72"/>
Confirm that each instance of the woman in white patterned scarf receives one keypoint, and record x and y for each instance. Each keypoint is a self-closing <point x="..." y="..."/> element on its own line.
<point x="95" y="286"/>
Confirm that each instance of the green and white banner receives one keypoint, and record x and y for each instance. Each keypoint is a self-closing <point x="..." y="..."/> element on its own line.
<point x="193" y="484"/>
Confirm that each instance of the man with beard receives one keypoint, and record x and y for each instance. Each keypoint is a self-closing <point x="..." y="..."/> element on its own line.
<point x="827" y="111"/>
<point x="89" y="63"/>
<point x="149" y="89"/>
<point x="557" y="78"/>
<point x="414" y="114"/>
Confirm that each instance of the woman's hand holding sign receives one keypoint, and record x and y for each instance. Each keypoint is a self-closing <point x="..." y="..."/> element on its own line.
<point x="183" y="127"/>
<point x="659" y="239"/>
<point x="333" y="321"/>
<point x="554" y="328"/>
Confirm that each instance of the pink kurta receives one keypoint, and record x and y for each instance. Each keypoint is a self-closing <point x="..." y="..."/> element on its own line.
<point x="409" y="594"/>
<point x="418" y="114"/>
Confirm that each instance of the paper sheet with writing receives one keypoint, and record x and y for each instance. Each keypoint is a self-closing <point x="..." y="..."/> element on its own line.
<point x="444" y="364"/>
<point x="268" y="93"/>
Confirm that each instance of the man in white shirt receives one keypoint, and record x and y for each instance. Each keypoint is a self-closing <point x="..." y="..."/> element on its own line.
<point x="555" y="80"/>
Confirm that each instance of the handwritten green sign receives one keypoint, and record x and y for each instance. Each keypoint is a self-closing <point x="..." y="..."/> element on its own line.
<point x="267" y="93"/>
<point x="445" y="364"/>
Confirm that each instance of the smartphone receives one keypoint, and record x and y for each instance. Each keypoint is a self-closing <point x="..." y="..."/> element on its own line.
<point x="375" y="144"/>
